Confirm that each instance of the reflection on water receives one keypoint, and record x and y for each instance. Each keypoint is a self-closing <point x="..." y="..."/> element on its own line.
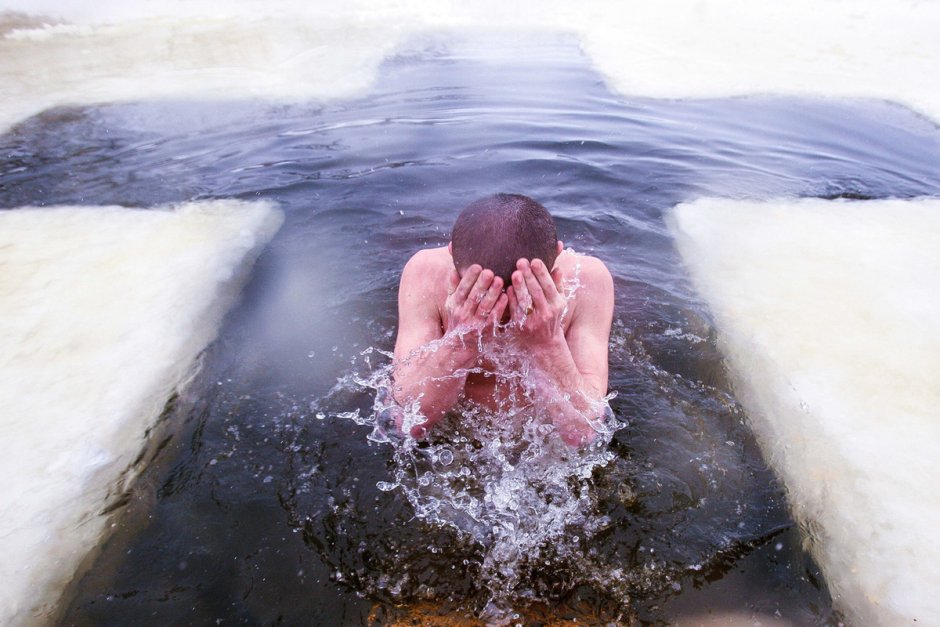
<point x="265" y="505"/>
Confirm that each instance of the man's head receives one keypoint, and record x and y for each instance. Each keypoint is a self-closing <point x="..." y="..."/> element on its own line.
<point x="496" y="231"/>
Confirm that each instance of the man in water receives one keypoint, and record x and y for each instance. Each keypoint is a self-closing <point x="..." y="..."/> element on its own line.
<point x="501" y="283"/>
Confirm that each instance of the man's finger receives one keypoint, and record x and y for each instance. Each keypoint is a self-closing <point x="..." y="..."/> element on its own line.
<point x="490" y="298"/>
<point x="497" y="314"/>
<point x="523" y="299"/>
<point x="484" y="281"/>
<point x="532" y="284"/>
<point x="513" y="303"/>
<point x="540" y="270"/>
<point x="467" y="282"/>
<point x="453" y="280"/>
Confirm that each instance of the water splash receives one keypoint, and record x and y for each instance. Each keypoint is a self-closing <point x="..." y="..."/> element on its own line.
<point x="500" y="477"/>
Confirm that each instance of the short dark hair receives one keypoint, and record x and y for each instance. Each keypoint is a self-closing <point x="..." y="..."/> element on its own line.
<point x="498" y="230"/>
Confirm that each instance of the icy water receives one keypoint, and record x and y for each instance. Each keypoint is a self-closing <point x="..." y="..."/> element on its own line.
<point x="266" y="502"/>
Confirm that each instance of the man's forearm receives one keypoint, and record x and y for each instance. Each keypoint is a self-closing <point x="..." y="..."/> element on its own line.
<point x="572" y="404"/>
<point x="435" y="377"/>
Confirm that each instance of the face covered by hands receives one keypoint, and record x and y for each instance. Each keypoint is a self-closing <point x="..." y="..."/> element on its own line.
<point x="476" y="305"/>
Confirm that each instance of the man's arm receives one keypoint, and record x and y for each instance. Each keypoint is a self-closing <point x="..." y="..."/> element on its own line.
<point x="572" y="368"/>
<point x="431" y="363"/>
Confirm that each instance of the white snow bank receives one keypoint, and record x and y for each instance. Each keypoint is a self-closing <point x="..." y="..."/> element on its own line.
<point x="103" y="312"/>
<point x="859" y="295"/>
<point x="293" y="49"/>
<point x="828" y="315"/>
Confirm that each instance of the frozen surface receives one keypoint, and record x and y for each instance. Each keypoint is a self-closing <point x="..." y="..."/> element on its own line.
<point x="831" y="344"/>
<point x="827" y="314"/>
<point x="55" y="54"/>
<point x="103" y="313"/>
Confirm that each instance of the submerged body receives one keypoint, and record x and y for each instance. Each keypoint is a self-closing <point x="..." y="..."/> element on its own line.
<point x="462" y="337"/>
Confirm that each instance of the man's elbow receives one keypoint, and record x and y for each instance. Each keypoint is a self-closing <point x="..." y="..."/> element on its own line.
<point x="579" y="437"/>
<point x="411" y="419"/>
<point x="418" y="431"/>
<point x="581" y="428"/>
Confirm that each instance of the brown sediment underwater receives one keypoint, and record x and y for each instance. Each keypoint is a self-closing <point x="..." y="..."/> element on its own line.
<point x="430" y="614"/>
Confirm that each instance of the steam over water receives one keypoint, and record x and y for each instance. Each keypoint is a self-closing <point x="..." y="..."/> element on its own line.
<point x="275" y="498"/>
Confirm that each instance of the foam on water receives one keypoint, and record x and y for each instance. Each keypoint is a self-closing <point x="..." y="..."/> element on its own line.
<point x="103" y="313"/>
<point x="828" y="316"/>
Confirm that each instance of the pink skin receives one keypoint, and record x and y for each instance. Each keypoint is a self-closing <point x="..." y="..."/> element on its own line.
<point x="474" y="305"/>
<point x="537" y="306"/>
<point x="534" y="286"/>
<point x="531" y="315"/>
<point x="475" y="301"/>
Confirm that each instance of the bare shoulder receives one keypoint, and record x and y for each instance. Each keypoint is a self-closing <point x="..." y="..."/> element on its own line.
<point x="592" y="304"/>
<point x="421" y="295"/>
<point x="430" y="257"/>
<point x="590" y="272"/>
<point x="426" y="272"/>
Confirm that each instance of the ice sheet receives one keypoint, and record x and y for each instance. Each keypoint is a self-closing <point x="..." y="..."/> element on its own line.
<point x="78" y="53"/>
<point x="103" y="313"/>
<point x="288" y="49"/>
<point x="827" y="314"/>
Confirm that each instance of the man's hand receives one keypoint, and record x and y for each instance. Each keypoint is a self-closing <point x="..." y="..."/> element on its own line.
<point x="475" y="302"/>
<point x="536" y="305"/>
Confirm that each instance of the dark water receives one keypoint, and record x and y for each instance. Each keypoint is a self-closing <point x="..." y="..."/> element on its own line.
<point x="254" y="511"/>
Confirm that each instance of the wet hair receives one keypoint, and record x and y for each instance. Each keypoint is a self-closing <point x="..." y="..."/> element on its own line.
<point x="498" y="230"/>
